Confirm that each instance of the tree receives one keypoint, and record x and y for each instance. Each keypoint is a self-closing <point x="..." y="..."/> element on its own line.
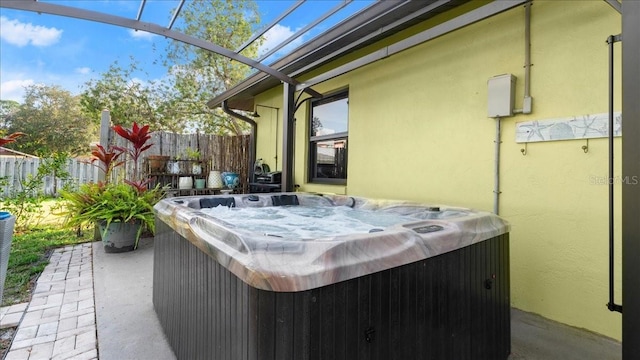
<point x="316" y="125"/>
<point x="178" y="102"/>
<point x="198" y="75"/>
<point x="127" y="100"/>
<point x="52" y="119"/>
<point x="8" y="108"/>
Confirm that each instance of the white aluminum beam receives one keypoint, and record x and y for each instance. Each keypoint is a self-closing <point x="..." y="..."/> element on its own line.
<point x="48" y="8"/>
<point x="175" y="14"/>
<point x="616" y="5"/>
<point x="363" y="39"/>
<point x="299" y="33"/>
<point x="141" y="9"/>
<point x="270" y="25"/>
<point x="249" y="82"/>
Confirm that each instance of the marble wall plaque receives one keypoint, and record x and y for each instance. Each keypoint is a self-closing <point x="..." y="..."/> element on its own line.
<point x="571" y="128"/>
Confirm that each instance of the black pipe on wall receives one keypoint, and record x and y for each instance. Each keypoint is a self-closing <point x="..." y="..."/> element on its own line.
<point x="611" y="305"/>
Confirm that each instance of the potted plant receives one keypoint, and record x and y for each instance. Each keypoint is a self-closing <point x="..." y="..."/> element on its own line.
<point x="121" y="210"/>
<point x="194" y="156"/>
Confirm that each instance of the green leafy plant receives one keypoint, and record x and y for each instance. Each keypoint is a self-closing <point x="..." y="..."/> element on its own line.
<point x="109" y="202"/>
<point x="25" y="200"/>
<point x="79" y="204"/>
<point x="192" y="154"/>
<point x="106" y="203"/>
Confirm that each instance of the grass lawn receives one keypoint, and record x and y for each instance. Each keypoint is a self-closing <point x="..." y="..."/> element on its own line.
<point x="31" y="247"/>
<point x="30" y="252"/>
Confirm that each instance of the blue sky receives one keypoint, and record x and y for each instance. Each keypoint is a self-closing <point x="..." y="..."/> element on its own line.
<point x="56" y="50"/>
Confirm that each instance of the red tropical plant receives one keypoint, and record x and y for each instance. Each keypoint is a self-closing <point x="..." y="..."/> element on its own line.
<point x="139" y="185"/>
<point x="108" y="159"/>
<point x="10" y="138"/>
<point x="138" y="137"/>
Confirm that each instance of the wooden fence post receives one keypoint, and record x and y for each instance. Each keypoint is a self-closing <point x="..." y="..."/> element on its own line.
<point x="105" y="126"/>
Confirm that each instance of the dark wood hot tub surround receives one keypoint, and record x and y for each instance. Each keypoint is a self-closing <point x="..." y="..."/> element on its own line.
<point x="451" y="306"/>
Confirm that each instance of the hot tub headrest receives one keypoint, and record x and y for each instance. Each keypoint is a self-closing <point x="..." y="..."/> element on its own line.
<point x="213" y="202"/>
<point x="281" y="200"/>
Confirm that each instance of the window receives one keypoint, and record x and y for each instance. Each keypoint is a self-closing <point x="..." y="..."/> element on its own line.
<point x="329" y="126"/>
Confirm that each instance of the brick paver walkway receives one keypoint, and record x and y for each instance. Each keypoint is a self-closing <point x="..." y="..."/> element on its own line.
<point x="60" y="321"/>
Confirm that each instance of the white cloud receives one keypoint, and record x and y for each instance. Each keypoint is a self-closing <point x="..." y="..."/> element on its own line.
<point x="141" y="35"/>
<point x="323" y="131"/>
<point x="139" y="82"/>
<point x="277" y="35"/>
<point x="14" y="89"/>
<point x="83" y="70"/>
<point x="21" y="34"/>
<point x="14" y="80"/>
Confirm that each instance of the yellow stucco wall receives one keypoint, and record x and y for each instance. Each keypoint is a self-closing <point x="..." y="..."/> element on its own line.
<point x="418" y="130"/>
<point x="269" y="136"/>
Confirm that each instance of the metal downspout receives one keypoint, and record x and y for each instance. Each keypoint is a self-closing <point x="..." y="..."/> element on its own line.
<point x="252" y="136"/>
<point x="612" y="306"/>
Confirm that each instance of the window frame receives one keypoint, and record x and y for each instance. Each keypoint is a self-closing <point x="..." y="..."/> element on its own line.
<point x="314" y="140"/>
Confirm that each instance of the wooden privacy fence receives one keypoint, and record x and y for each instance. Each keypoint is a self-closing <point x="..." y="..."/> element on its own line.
<point x="222" y="153"/>
<point x="16" y="170"/>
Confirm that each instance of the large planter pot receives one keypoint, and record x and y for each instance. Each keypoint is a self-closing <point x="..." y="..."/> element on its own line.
<point x="200" y="183"/>
<point x="214" y="180"/>
<point x="120" y="237"/>
<point x="231" y="179"/>
<point x="185" y="182"/>
<point x="7" y="221"/>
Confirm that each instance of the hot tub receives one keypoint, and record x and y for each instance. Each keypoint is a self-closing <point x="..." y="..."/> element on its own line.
<point x="302" y="276"/>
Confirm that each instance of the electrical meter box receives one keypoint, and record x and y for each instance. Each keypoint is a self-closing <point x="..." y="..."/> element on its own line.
<point x="501" y="95"/>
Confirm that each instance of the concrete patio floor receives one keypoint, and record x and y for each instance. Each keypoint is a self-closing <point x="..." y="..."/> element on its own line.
<point x="128" y="328"/>
<point x="535" y="337"/>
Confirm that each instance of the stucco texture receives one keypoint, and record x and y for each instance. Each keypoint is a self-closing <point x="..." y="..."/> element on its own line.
<point x="418" y="130"/>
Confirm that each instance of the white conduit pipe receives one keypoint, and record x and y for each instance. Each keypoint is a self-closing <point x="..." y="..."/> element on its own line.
<point x="527" y="52"/>
<point x="527" y="100"/>
<point x="496" y="171"/>
<point x="526" y="106"/>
